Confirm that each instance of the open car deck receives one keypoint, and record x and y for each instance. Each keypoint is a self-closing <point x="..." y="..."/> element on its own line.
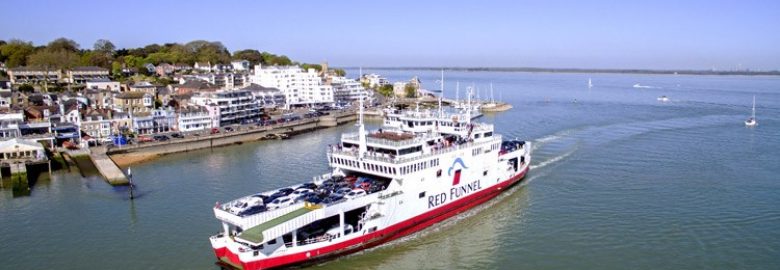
<point x="255" y="234"/>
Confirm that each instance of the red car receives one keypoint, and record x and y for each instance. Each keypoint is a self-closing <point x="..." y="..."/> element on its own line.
<point x="214" y="130"/>
<point x="143" y="138"/>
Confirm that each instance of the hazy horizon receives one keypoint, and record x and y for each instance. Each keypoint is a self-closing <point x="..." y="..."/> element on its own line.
<point x="691" y="35"/>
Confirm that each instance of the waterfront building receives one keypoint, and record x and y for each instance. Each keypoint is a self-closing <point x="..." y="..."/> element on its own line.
<point x="21" y="150"/>
<point x="268" y="97"/>
<point x="103" y="83"/>
<point x="9" y="124"/>
<point x="347" y="90"/>
<point x="219" y="80"/>
<point x="19" y="75"/>
<point x="96" y="123"/>
<point x="374" y="80"/>
<point x="143" y="123"/>
<point x="193" y="118"/>
<point x="80" y="75"/>
<point x="301" y="88"/>
<point x="133" y="102"/>
<point x="228" y="107"/>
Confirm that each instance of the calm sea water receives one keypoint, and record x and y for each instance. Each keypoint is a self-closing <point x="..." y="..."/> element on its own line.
<point x="619" y="181"/>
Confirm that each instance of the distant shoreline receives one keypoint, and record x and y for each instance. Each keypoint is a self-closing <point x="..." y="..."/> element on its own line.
<point x="583" y="70"/>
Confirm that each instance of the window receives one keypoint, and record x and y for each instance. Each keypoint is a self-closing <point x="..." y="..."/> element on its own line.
<point x="422" y="194"/>
<point x="484" y="173"/>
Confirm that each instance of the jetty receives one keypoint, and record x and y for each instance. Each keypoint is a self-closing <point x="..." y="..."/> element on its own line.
<point x="109" y="169"/>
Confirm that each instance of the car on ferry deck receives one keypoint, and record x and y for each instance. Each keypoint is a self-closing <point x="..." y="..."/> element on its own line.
<point x="355" y="193"/>
<point x="280" y="202"/>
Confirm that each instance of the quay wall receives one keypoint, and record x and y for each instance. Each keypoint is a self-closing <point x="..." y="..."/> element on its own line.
<point x="126" y="155"/>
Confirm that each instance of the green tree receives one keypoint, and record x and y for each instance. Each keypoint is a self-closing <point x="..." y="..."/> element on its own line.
<point x="63" y="44"/>
<point x="253" y="56"/>
<point x="116" y="68"/>
<point x="104" y="46"/>
<point x="26" y="88"/>
<point x="340" y="72"/>
<point x="410" y="91"/>
<point x="385" y="90"/>
<point x="15" y="52"/>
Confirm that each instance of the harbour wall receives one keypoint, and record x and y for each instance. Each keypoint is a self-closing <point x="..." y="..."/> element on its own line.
<point x="129" y="154"/>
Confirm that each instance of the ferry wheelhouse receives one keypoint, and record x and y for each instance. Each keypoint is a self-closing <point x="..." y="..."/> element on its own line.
<point x="384" y="184"/>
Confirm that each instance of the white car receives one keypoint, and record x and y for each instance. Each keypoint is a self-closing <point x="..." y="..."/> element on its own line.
<point x="343" y="191"/>
<point x="355" y="193"/>
<point x="280" y="202"/>
<point x="243" y="204"/>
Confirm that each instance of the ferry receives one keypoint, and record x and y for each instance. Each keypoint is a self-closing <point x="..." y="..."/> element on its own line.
<point x="417" y="170"/>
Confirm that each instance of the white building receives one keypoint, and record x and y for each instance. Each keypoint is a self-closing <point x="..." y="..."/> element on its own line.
<point x="193" y="118"/>
<point x="240" y="65"/>
<point x="347" y="90"/>
<point x="224" y="81"/>
<point x="9" y="124"/>
<point x="374" y="80"/>
<point x="18" y="149"/>
<point x="300" y="87"/>
<point x="267" y="97"/>
<point x="230" y="107"/>
<point x="103" y="84"/>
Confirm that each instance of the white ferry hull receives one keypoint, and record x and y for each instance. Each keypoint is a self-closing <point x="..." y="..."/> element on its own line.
<point x="229" y="258"/>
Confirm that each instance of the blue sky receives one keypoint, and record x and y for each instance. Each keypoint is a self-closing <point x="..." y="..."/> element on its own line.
<point x="583" y="34"/>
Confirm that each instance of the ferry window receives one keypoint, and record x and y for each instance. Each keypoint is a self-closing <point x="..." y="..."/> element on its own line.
<point x="438" y="173"/>
<point x="422" y="194"/>
<point x="372" y="229"/>
<point x="476" y="136"/>
<point x="272" y="242"/>
<point x="484" y="173"/>
<point x="489" y="134"/>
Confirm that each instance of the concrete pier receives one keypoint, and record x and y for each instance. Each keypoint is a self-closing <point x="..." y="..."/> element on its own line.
<point x="109" y="169"/>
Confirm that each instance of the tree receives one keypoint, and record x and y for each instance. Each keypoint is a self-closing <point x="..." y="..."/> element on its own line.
<point x="15" y="52"/>
<point x="104" y="46"/>
<point x="116" y="68"/>
<point x="410" y="91"/>
<point x="53" y="59"/>
<point x="340" y="72"/>
<point x="385" y="90"/>
<point x="63" y="44"/>
<point x="253" y="56"/>
<point x="26" y="88"/>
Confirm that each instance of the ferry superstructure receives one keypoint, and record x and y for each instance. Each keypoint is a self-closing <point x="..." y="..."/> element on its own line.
<point x="417" y="170"/>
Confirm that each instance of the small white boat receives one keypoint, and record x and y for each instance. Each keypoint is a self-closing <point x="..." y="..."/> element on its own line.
<point x="590" y="83"/>
<point x="663" y="99"/>
<point x="641" y="86"/>
<point x="751" y="122"/>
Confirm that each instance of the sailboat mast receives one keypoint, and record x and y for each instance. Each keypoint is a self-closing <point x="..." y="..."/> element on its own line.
<point x="492" y="100"/>
<point x="754" y="106"/>
<point x="441" y="95"/>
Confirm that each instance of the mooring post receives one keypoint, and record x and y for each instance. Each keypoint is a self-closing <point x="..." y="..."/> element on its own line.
<point x="130" y="180"/>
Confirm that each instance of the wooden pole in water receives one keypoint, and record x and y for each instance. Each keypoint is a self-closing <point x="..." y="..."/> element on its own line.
<point x="130" y="180"/>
